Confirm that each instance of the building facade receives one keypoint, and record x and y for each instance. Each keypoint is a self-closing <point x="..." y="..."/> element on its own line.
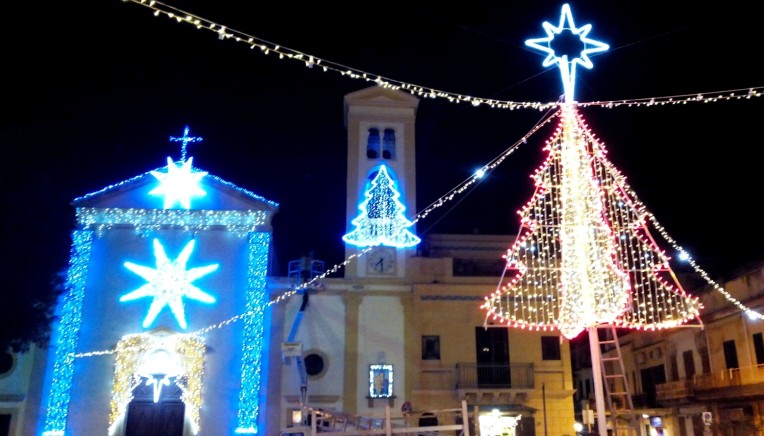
<point x="702" y="379"/>
<point x="414" y="310"/>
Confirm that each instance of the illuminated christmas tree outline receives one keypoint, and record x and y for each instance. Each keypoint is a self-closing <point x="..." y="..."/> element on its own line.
<point x="381" y="220"/>
<point x="584" y="255"/>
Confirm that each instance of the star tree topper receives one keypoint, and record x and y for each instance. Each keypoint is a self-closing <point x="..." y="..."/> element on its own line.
<point x="566" y="63"/>
<point x="169" y="283"/>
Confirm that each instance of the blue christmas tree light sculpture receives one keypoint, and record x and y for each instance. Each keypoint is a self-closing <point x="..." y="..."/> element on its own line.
<point x="381" y="221"/>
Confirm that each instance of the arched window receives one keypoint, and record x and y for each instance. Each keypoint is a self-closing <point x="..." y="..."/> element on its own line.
<point x="388" y="144"/>
<point x="373" y="143"/>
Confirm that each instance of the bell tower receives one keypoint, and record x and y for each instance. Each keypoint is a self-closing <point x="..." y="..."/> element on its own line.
<point x="381" y="181"/>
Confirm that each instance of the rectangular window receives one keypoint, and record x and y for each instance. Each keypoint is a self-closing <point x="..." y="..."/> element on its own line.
<point x="730" y="355"/>
<point x="430" y="347"/>
<point x="758" y="345"/>
<point x="689" y="364"/>
<point x="550" y="348"/>
<point x="705" y="361"/>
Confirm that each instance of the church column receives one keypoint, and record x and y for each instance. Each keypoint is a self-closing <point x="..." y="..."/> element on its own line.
<point x="411" y="345"/>
<point x="350" y="388"/>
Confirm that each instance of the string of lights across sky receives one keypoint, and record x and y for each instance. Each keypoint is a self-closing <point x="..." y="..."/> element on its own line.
<point x="552" y="113"/>
<point x="224" y="32"/>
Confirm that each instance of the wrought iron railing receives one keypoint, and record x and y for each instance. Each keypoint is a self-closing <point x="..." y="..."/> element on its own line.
<point x="494" y="376"/>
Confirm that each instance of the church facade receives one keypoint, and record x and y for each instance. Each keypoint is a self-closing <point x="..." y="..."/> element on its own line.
<point x="157" y="262"/>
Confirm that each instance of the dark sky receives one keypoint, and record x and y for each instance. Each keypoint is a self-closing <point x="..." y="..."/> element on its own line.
<point x="93" y="90"/>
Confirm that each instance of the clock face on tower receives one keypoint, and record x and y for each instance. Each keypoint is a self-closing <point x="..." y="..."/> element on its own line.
<point x="381" y="260"/>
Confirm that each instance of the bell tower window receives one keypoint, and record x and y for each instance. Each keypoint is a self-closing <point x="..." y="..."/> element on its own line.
<point x="373" y="144"/>
<point x="388" y="144"/>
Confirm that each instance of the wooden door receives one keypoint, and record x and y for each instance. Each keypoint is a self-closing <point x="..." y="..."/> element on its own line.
<point x="163" y="418"/>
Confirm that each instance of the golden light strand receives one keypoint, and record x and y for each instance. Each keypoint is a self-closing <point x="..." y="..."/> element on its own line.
<point x="314" y="62"/>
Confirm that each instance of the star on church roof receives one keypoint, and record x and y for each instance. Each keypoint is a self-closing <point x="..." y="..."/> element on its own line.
<point x="179" y="183"/>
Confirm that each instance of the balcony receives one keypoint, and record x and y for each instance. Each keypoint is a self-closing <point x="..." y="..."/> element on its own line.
<point x="675" y="393"/>
<point x="494" y="382"/>
<point x="738" y="383"/>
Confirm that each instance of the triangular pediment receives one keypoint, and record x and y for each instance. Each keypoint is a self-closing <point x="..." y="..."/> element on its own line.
<point x="135" y="193"/>
<point x="378" y="96"/>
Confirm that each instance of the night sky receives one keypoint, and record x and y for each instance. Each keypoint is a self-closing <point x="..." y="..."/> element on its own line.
<point x="93" y="90"/>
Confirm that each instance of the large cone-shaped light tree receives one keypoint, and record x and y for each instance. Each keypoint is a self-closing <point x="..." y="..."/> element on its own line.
<point x="584" y="256"/>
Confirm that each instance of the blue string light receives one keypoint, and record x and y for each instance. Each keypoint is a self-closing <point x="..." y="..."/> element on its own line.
<point x="67" y="335"/>
<point x="185" y="140"/>
<point x="252" y="345"/>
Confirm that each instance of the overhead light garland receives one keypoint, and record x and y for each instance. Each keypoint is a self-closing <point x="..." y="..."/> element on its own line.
<point x="314" y="62"/>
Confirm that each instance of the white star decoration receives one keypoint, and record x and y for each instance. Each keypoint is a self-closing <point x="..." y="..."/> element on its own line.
<point x="179" y="184"/>
<point x="567" y="66"/>
<point x="168" y="283"/>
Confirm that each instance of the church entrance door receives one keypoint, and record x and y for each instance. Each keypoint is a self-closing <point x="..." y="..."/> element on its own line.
<point x="162" y="418"/>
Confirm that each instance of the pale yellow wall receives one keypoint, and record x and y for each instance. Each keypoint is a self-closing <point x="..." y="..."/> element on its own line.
<point x="723" y="330"/>
<point x="455" y="320"/>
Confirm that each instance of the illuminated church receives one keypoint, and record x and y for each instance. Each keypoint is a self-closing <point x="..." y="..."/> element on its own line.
<point x="156" y="262"/>
<point x="173" y="325"/>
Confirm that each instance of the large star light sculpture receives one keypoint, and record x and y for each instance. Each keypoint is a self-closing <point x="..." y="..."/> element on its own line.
<point x="169" y="283"/>
<point x="179" y="183"/>
<point x="565" y="62"/>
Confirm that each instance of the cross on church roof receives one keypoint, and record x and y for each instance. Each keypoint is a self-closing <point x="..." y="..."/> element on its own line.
<point x="185" y="140"/>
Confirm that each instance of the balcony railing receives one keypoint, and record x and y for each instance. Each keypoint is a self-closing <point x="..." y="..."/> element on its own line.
<point x="494" y="376"/>
<point x="674" y="391"/>
<point x="730" y="377"/>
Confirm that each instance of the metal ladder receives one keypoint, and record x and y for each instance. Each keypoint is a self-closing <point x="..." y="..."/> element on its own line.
<point x="616" y="383"/>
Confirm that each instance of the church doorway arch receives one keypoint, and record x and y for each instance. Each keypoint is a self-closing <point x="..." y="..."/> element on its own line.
<point x="157" y="385"/>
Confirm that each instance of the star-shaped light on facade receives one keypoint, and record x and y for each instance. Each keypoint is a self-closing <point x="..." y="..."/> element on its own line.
<point x="567" y="64"/>
<point x="179" y="183"/>
<point x="169" y="283"/>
